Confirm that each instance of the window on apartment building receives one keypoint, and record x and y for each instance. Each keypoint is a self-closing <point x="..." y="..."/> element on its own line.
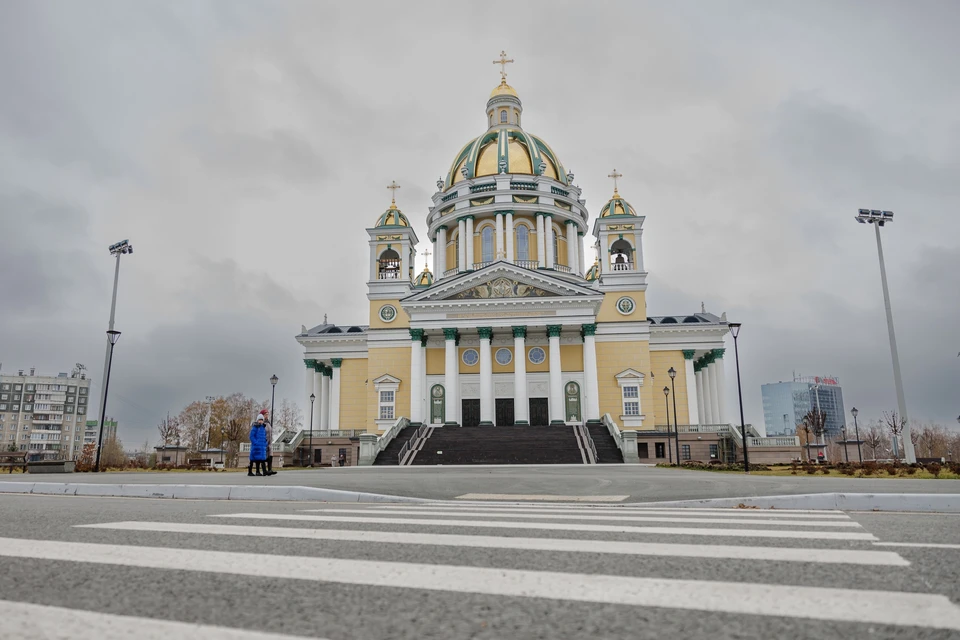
<point x="14" y="407"/>
<point x="5" y="387"/>
<point x="659" y="450"/>
<point x="4" y="396"/>
<point x="3" y="407"/>
<point x="30" y="387"/>
<point x="684" y="452"/>
<point x="387" y="404"/>
<point x="83" y="391"/>
<point x="631" y="400"/>
<point x="82" y="401"/>
<point x="714" y="451"/>
<point x="28" y="407"/>
<point x="81" y="410"/>
<point x="18" y="387"/>
<point x="71" y="389"/>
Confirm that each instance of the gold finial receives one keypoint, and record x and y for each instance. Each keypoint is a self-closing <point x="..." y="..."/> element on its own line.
<point x="503" y="62"/>
<point x="393" y="186"/>
<point x="615" y="175"/>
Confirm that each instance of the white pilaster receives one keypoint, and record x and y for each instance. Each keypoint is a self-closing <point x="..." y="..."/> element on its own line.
<point x="521" y="406"/>
<point x="501" y="250"/>
<point x="416" y="376"/>
<point x="548" y="239"/>
<point x="440" y="253"/>
<point x="308" y="388"/>
<point x="541" y="245"/>
<point x="556" y="382"/>
<point x="714" y="394"/>
<point x="509" y="244"/>
<point x="572" y="259"/>
<point x="486" y="377"/>
<point x="583" y="267"/>
<point x="324" y="400"/>
<point x="462" y="253"/>
<point x="721" y="372"/>
<point x="404" y="263"/>
<point x="701" y="411"/>
<point x="693" y="415"/>
<point x="707" y="396"/>
<point x="424" y="389"/>
<point x="318" y="405"/>
<point x="591" y="385"/>
<point x="469" y="238"/>
<point x="335" y="395"/>
<point x="450" y="377"/>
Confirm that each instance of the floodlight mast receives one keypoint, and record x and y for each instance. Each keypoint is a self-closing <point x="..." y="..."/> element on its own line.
<point x="879" y="219"/>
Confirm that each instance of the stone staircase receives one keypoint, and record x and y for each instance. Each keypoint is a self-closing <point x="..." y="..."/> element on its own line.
<point x="501" y="445"/>
<point x="607" y="450"/>
<point x="388" y="457"/>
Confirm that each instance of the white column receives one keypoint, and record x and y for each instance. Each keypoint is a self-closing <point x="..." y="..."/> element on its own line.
<point x="701" y="411"/>
<point x="324" y="399"/>
<point x="693" y="415"/>
<point x="583" y="267"/>
<point x="486" y="377"/>
<point x="335" y="395"/>
<point x="721" y="377"/>
<point x="501" y="250"/>
<point x="591" y="385"/>
<point x="707" y="396"/>
<point x="416" y="376"/>
<point x="521" y="406"/>
<point x="572" y="259"/>
<point x="450" y="376"/>
<point x="714" y="394"/>
<point x="318" y="404"/>
<point x="556" y="383"/>
<point x="308" y="387"/>
<point x="424" y="389"/>
<point x="469" y="239"/>
<point x="404" y="263"/>
<point x="509" y="243"/>
<point x="441" y="253"/>
<point x="373" y="263"/>
<point x="548" y="239"/>
<point x="462" y="235"/>
<point x="541" y="245"/>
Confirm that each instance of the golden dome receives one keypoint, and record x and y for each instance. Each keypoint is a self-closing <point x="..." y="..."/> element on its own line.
<point x="617" y="206"/>
<point x="425" y="279"/>
<point x="593" y="272"/>
<point x="392" y="217"/>
<point x="503" y="89"/>
<point x="505" y="150"/>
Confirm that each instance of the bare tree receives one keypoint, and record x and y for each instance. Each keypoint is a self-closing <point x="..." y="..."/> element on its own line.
<point x="894" y="423"/>
<point x="875" y="438"/>
<point x="219" y="417"/>
<point x="170" y="431"/>
<point x="815" y="422"/>
<point x="194" y="421"/>
<point x="931" y="440"/>
<point x="288" y="417"/>
<point x="113" y="454"/>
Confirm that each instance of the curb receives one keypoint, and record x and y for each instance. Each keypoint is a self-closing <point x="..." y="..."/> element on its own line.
<point x="198" y="492"/>
<point x="917" y="502"/>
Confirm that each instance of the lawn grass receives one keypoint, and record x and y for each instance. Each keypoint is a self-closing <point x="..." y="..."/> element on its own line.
<point x="786" y="470"/>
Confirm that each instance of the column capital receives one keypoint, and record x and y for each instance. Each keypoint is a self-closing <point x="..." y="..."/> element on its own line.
<point x="336" y="362"/>
<point x="688" y="354"/>
<point x="450" y="334"/>
<point x="588" y="330"/>
<point x="580" y="234"/>
<point x="416" y="334"/>
<point x="708" y="358"/>
<point x="423" y="340"/>
<point x="697" y="366"/>
<point x="553" y="330"/>
<point x="311" y="363"/>
<point x="717" y="354"/>
<point x="327" y="371"/>
<point x="318" y="367"/>
<point x="519" y="332"/>
<point x="442" y="227"/>
<point x="485" y="332"/>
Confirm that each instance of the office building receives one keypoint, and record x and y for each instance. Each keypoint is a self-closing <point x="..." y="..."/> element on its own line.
<point x="786" y="403"/>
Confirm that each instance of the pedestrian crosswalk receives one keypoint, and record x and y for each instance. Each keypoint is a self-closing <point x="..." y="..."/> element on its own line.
<point x="641" y="558"/>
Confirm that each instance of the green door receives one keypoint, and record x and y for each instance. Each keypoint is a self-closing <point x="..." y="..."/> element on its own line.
<point x="572" y="402"/>
<point x="437" y="405"/>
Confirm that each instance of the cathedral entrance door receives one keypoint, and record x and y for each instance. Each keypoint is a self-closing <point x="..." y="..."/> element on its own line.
<point x="471" y="413"/>
<point x="539" y="412"/>
<point x="437" y="405"/>
<point x="504" y="412"/>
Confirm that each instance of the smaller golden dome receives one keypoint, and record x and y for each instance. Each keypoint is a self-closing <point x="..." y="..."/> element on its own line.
<point x="503" y="89"/>
<point x="617" y="206"/>
<point x="392" y="217"/>
<point x="425" y="279"/>
<point x="593" y="272"/>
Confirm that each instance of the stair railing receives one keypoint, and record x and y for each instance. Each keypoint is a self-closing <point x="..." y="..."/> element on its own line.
<point x="411" y="444"/>
<point x="590" y="443"/>
<point x="613" y="430"/>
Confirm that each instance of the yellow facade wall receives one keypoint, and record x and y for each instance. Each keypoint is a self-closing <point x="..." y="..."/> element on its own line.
<point x="571" y="357"/>
<point x="543" y="366"/>
<point x="436" y="363"/>
<point x="660" y="363"/>
<point x="451" y="254"/>
<point x="353" y="397"/>
<point x="608" y="308"/>
<point x="463" y="367"/>
<point x="402" y="320"/>
<point x="499" y="368"/>
<point x="394" y="361"/>
<point x="612" y="359"/>
<point x="627" y="235"/>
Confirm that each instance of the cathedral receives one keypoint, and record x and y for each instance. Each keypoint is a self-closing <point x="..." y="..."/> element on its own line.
<point x="512" y="326"/>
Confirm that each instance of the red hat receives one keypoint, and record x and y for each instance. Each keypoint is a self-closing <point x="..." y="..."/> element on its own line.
<point x="263" y="412"/>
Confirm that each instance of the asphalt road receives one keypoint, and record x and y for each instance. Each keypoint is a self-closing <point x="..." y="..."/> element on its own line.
<point x="637" y="483"/>
<point x="460" y="570"/>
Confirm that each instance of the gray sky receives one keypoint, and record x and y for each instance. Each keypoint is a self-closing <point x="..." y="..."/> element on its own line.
<point x="243" y="147"/>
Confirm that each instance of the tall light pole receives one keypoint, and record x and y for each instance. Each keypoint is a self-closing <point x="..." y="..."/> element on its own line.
<point x="676" y="425"/>
<point x="312" y="399"/>
<point x="879" y="219"/>
<point x="118" y="249"/>
<point x="856" y="427"/>
<point x="666" y="403"/>
<point x="846" y="455"/>
<point x="112" y="337"/>
<point x="273" y="392"/>
<point x="735" y="331"/>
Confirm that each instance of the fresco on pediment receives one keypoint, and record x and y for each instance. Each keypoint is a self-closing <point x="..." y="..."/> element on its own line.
<point x="502" y="288"/>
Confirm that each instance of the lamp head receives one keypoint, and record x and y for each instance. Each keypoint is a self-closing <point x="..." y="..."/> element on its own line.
<point x="121" y="247"/>
<point x="672" y="372"/>
<point x="274" y="379"/>
<point x="854" y="412"/>
<point x="113" y="336"/>
<point x="734" y="328"/>
<point x="312" y="397"/>
<point x="666" y="391"/>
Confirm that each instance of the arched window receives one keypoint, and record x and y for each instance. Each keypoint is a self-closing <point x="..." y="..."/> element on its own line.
<point x="556" y="248"/>
<point x="523" y="243"/>
<point x="486" y="244"/>
<point x="503" y="115"/>
<point x="389" y="265"/>
<point x="621" y="256"/>
<point x="456" y="252"/>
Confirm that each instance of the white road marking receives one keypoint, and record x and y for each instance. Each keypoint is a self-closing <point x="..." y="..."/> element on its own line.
<point x="542" y="497"/>
<point x="25" y="620"/>
<point x="630" y="506"/>
<point x="815" y="603"/>
<point x="919" y="545"/>
<point x="563" y="526"/>
<point x="616" y="547"/>
<point x="623" y="510"/>
<point x="620" y="518"/>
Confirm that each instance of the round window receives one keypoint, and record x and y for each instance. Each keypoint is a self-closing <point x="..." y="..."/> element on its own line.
<point x="537" y="355"/>
<point x="471" y="357"/>
<point x="388" y="312"/>
<point x="626" y="305"/>
<point x="504" y="356"/>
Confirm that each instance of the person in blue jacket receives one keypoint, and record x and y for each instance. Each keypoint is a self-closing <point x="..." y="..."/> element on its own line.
<point x="258" y="448"/>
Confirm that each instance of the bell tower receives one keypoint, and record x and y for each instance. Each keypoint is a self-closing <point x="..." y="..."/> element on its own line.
<point x="393" y="245"/>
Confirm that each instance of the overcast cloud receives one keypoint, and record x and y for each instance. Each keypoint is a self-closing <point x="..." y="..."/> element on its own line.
<point x="243" y="147"/>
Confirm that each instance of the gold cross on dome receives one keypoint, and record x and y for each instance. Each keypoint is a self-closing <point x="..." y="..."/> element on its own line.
<point x="615" y="175"/>
<point x="393" y="186"/>
<point x="503" y="62"/>
<point x="426" y="254"/>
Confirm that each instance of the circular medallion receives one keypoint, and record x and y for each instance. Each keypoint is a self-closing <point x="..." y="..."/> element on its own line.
<point x="537" y="355"/>
<point x="626" y="305"/>
<point x="572" y="389"/>
<point x="504" y="356"/>
<point x="470" y="357"/>
<point x="437" y="391"/>
<point x="388" y="313"/>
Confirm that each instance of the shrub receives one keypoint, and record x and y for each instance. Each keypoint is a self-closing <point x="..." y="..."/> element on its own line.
<point x="810" y="469"/>
<point x="933" y="468"/>
<point x="891" y="469"/>
<point x="848" y="471"/>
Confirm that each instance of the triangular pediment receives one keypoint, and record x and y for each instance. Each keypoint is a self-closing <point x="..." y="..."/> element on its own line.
<point x="500" y="281"/>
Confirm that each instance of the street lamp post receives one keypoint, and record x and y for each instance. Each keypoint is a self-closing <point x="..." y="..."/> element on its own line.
<point x="112" y="337"/>
<point x="846" y="456"/>
<point x="273" y="392"/>
<point x="879" y="219"/>
<point x="735" y="330"/>
<point x="666" y="403"/>
<point x="856" y="427"/>
<point x="312" y="399"/>
<point x="676" y="425"/>
<point x="118" y="249"/>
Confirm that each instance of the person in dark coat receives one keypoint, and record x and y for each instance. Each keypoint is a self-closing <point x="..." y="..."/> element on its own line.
<point x="258" y="448"/>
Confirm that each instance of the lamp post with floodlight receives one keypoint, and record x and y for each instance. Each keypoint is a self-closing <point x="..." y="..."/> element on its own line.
<point x="112" y="337"/>
<point x="735" y="330"/>
<point x="676" y="425"/>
